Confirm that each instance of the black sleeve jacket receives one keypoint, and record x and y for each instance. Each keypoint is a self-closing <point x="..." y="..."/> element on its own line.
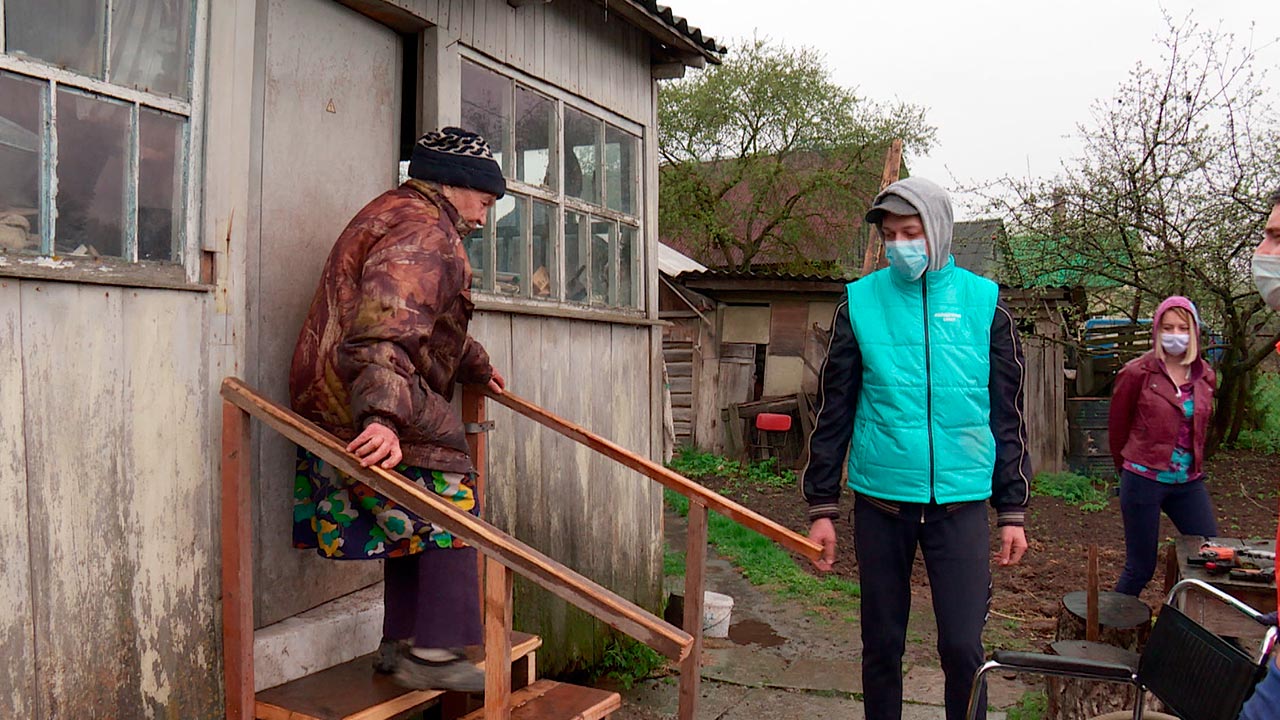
<point x="838" y="399"/>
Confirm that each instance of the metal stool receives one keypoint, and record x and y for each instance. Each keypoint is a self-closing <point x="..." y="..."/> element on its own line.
<point x="766" y="424"/>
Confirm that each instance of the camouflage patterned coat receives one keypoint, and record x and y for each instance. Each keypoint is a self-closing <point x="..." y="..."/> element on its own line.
<point x="386" y="336"/>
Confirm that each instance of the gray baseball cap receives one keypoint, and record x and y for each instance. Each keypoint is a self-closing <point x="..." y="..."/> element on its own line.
<point x="890" y="203"/>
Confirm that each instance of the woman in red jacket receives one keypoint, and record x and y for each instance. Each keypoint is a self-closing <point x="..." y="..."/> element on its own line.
<point x="1160" y="412"/>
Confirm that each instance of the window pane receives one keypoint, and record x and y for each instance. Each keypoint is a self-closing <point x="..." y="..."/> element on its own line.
<point x="510" y="274"/>
<point x="603" y="235"/>
<point x="543" y="280"/>
<point x="535" y="138"/>
<point x="620" y="169"/>
<point x="160" y="196"/>
<point x="150" y="45"/>
<point x="576" y="255"/>
<point x="21" y="103"/>
<point x="582" y="155"/>
<point x="93" y="141"/>
<point x="630" y="283"/>
<point x="486" y="107"/>
<point x="477" y="245"/>
<point x="67" y="33"/>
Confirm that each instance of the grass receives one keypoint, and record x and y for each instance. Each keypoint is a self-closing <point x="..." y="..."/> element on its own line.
<point x="1088" y="494"/>
<point x="627" y="661"/>
<point x="672" y="562"/>
<point x="1265" y="406"/>
<point x="696" y="464"/>
<point x="765" y="564"/>
<point x="1033" y="705"/>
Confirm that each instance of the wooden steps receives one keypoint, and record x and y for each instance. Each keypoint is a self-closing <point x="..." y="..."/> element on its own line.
<point x="550" y="700"/>
<point x="353" y="691"/>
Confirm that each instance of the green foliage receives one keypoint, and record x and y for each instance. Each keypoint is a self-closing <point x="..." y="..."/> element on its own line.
<point x="764" y="563"/>
<point x="1264" y="405"/>
<point x="1033" y="705"/>
<point x="696" y="464"/>
<point x="754" y="148"/>
<point x="1071" y="488"/>
<point x="673" y="564"/>
<point x="628" y="661"/>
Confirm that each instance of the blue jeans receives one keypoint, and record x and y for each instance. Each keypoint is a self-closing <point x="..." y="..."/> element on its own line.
<point x="1141" y="500"/>
<point x="1265" y="703"/>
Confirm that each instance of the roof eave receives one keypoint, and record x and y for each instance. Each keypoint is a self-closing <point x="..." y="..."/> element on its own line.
<point x="662" y="26"/>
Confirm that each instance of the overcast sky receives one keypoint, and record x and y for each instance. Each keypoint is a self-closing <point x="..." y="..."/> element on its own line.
<point x="1004" y="81"/>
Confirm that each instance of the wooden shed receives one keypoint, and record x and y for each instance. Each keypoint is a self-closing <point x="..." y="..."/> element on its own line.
<point x="172" y="176"/>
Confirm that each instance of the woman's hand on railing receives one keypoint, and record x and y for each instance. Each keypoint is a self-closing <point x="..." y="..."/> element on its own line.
<point x="823" y="532"/>
<point x="496" y="382"/>
<point x="377" y="444"/>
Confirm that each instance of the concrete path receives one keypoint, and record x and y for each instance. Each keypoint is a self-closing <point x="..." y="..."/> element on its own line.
<point x="780" y="662"/>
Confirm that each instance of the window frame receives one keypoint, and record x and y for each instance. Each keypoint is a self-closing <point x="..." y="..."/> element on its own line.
<point x="563" y="202"/>
<point x="181" y="273"/>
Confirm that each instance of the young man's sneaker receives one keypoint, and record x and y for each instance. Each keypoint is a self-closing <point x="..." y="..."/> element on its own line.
<point x="454" y="673"/>
<point x="389" y="652"/>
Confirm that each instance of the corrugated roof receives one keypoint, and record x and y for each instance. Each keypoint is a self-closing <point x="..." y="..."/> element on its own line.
<point x="672" y="262"/>
<point x="682" y="26"/>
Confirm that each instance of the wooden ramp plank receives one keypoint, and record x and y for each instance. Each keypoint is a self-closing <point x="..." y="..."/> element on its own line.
<point x="353" y="691"/>
<point x="550" y="700"/>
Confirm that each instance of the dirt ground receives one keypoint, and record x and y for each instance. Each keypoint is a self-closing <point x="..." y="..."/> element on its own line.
<point x="1244" y="487"/>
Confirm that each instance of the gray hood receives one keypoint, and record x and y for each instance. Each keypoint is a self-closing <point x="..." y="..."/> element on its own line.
<point x="934" y="205"/>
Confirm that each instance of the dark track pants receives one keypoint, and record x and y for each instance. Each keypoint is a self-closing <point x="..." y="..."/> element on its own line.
<point x="433" y="598"/>
<point x="1141" y="500"/>
<point x="956" y="549"/>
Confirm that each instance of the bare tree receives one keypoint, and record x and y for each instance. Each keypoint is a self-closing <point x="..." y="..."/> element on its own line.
<point x="1167" y="198"/>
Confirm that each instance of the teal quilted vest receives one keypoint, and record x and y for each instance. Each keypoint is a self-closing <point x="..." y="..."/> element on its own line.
<point x="922" y="426"/>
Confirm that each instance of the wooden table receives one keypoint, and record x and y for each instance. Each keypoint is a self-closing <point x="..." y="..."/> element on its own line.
<point x="1212" y="613"/>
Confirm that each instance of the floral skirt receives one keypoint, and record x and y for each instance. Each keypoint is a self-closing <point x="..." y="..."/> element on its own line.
<point x="343" y="518"/>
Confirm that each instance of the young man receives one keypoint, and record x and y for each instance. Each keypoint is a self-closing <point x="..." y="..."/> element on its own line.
<point x="924" y="375"/>
<point x="1265" y="703"/>
<point x="383" y="344"/>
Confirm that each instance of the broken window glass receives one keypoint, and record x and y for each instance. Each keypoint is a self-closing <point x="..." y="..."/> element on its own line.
<point x="21" y="202"/>
<point x="93" y="174"/>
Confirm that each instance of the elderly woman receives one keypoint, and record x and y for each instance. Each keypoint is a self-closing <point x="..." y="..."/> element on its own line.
<point x="381" y="349"/>
<point x="1160" y="411"/>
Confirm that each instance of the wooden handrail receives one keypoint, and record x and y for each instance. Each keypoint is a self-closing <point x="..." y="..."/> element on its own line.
<point x="667" y="477"/>
<point x="612" y="609"/>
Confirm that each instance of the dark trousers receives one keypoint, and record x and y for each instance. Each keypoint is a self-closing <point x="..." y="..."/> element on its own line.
<point x="433" y="598"/>
<point x="1141" y="500"/>
<point x="956" y="549"/>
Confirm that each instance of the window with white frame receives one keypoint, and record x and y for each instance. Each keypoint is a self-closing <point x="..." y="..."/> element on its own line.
<point x="568" y="229"/>
<point x="95" y="113"/>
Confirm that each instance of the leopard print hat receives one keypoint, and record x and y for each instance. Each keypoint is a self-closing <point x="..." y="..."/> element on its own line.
<point x="453" y="156"/>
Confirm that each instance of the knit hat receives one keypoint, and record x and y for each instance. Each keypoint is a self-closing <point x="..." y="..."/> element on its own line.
<point x="453" y="156"/>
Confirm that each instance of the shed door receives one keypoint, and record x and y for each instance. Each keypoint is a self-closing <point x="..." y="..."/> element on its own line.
<point x="331" y="126"/>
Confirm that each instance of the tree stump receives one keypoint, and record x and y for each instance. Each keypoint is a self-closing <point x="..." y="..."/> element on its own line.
<point x="1124" y="622"/>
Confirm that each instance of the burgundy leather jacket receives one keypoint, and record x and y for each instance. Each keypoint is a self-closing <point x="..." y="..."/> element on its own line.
<point x="1146" y="411"/>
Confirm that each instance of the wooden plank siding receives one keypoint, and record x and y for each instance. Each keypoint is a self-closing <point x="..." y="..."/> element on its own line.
<point x="121" y="506"/>
<point x="17" y="640"/>
<point x="591" y="514"/>
<point x="576" y="45"/>
<point x="1044" y="399"/>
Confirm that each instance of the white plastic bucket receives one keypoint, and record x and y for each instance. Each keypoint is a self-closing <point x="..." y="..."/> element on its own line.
<point x="716" y="609"/>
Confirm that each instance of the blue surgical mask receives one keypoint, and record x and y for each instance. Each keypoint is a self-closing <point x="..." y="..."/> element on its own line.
<point x="1175" y="343"/>
<point x="908" y="258"/>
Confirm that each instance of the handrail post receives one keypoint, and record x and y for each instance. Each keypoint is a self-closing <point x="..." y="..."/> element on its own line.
<point x="497" y="640"/>
<point x="695" y="564"/>
<point x="473" y="418"/>
<point x="237" y="565"/>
